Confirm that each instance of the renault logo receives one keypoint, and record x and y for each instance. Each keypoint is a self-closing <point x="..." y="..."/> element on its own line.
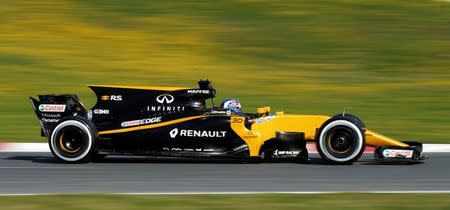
<point x="165" y="98"/>
<point x="173" y="133"/>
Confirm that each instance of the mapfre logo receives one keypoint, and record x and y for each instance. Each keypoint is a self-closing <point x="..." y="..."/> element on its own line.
<point x="165" y="99"/>
<point x="111" y="98"/>
<point x="195" y="91"/>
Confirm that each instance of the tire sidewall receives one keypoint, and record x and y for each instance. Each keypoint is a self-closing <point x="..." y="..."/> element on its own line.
<point x="86" y="127"/>
<point x="349" y="122"/>
<point x="352" y="118"/>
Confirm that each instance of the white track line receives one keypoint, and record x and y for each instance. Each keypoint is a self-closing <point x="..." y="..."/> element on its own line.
<point x="45" y="167"/>
<point x="288" y="192"/>
<point x="24" y="147"/>
<point x="241" y="193"/>
<point x="436" y="148"/>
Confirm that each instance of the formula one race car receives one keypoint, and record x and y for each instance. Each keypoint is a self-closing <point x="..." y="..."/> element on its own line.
<point x="174" y="121"/>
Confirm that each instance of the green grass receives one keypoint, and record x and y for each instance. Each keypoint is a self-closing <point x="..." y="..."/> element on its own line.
<point x="247" y="202"/>
<point x="387" y="59"/>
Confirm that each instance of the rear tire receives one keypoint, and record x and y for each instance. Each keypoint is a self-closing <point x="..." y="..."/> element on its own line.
<point x="73" y="140"/>
<point x="341" y="140"/>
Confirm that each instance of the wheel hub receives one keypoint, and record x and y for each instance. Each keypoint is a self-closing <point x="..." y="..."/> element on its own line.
<point x="340" y="140"/>
<point x="71" y="141"/>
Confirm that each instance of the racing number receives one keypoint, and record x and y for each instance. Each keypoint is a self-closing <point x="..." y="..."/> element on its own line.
<point x="237" y="120"/>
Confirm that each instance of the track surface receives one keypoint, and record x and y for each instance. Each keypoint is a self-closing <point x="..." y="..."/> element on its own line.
<point x="39" y="173"/>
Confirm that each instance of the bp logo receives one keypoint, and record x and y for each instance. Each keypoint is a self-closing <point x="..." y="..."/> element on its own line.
<point x="165" y="99"/>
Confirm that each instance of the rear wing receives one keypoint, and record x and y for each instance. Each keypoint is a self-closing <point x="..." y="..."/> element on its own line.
<point x="50" y="109"/>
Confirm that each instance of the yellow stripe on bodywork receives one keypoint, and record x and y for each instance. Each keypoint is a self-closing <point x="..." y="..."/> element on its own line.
<point x="124" y="130"/>
<point x="375" y="139"/>
<point x="141" y="87"/>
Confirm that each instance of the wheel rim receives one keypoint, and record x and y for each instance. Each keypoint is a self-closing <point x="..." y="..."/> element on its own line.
<point x="341" y="141"/>
<point x="341" y="153"/>
<point x="71" y="140"/>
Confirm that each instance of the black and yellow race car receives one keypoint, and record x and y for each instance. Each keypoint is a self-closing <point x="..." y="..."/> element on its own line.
<point x="175" y="121"/>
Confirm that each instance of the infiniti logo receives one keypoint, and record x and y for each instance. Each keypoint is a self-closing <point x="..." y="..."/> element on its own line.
<point x="165" y="98"/>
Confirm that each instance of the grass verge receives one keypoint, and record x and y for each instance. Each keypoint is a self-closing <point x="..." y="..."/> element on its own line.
<point x="248" y="202"/>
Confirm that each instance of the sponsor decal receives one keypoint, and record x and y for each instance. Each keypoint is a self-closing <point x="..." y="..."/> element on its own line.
<point x="195" y="91"/>
<point x="187" y="149"/>
<point x="111" y="98"/>
<point x="196" y="133"/>
<point x="227" y="112"/>
<point x="165" y="99"/>
<point x="101" y="111"/>
<point x="52" y="107"/>
<point x="398" y="153"/>
<point x="141" y="122"/>
<point x="280" y="152"/>
<point x="165" y="108"/>
<point x="45" y="120"/>
<point x="51" y="115"/>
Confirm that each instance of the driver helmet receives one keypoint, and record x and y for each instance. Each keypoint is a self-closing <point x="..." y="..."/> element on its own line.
<point x="231" y="104"/>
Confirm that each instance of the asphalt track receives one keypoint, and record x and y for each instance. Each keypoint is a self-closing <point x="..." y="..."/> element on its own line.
<point x="24" y="173"/>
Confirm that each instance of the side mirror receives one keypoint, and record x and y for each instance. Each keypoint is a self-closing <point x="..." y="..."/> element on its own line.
<point x="263" y="111"/>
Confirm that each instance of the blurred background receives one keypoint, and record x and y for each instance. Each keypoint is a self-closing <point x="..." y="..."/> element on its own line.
<point x="387" y="60"/>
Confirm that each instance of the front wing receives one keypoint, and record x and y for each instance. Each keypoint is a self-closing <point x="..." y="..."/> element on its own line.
<point x="410" y="153"/>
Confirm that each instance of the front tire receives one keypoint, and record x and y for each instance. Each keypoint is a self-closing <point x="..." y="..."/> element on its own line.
<point x="341" y="140"/>
<point x="73" y="140"/>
